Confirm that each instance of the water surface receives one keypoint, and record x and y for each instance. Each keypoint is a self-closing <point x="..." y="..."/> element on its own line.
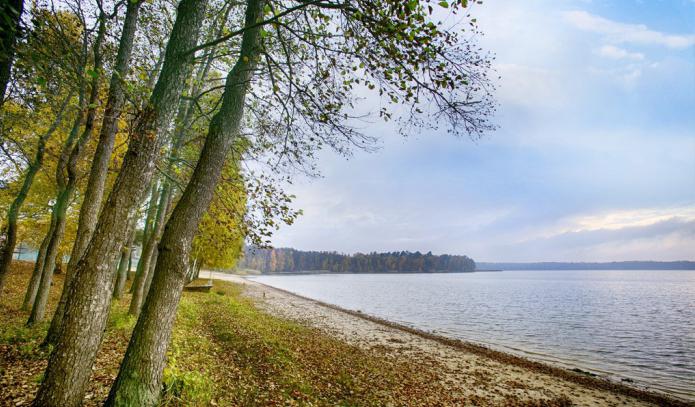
<point x="635" y="325"/>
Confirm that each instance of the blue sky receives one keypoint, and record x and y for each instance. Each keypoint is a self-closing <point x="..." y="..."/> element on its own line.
<point x="594" y="159"/>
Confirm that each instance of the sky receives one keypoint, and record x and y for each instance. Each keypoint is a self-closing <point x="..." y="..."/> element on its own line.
<point x="594" y="158"/>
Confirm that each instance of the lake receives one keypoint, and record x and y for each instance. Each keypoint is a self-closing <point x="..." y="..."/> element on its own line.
<point x="634" y="325"/>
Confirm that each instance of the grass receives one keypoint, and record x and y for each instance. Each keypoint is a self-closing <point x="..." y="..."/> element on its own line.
<point x="252" y="358"/>
<point x="227" y="352"/>
<point x="224" y="351"/>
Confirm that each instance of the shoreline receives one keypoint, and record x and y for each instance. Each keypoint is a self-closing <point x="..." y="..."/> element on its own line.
<point x="509" y="361"/>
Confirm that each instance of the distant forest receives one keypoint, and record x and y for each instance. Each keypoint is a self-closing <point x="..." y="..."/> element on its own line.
<point x="615" y="265"/>
<point x="284" y="260"/>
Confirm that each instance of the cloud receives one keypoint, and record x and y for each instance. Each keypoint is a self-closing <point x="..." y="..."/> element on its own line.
<point x="584" y="147"/>
<point x="668" y="239"/>
<point x="613" y="52"/>
<point x="675" y="225"/>
<point x="626" y="33"/>
<point x="621" y="219"/>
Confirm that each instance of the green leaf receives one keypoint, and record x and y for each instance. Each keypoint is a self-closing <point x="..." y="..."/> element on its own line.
<point x="444" y="4"/>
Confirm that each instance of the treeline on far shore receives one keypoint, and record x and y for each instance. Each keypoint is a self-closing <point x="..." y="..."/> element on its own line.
<point x="287" y="260"/>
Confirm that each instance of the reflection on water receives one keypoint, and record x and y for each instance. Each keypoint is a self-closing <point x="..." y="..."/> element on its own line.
<point x="637" y="325"/>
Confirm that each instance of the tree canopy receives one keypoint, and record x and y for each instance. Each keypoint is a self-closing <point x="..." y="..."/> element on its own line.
<point x="183" y="122"/>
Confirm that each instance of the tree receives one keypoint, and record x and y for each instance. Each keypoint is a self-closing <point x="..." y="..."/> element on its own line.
<point x="393" y="42"/>
<point x="94" y="191"/>
<point x="141" y="270"/>
<point x="40" y="97"/>
<point x="10" y="22"/>
<point x="219" y="240"/>
<point x="182" y="126"/>
<point x="124" y="263"/>
<point x="10" y="230"/>
<point x="290" y="260"/>
<point x="293" y="68"/>
<point x="87" y="306"/>
<point x="159" y="207"/>
<point x="140" y="375"/>
<point x="66" y="172"/>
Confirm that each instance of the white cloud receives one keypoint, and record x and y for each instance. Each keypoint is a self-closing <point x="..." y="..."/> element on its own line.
<point x="626" y="33"/>
<point x="613" y="52"/>
<point x="578" y="151"/>
<point x="667" y="239"/>
<point x="614" y="220"/>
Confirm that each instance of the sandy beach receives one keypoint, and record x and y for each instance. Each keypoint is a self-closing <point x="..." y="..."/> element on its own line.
<point x="467" y="369"/>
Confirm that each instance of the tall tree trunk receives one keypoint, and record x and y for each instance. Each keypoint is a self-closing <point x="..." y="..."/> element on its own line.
<point x="38" y="311"/>
<point x="198" y="267"/>
<point x="150" y="273"/>
<point x="145" y="267"/>
<point x="13" y="213"/>
<point x="66" y="188"/>
<point x="155" y="226"/>
<point x="67" y="181"/>
<point x="148" y="256"/>
<point x="130" y="263"/>
<point x="124" y="262"/>
<point x="33" y="286"/>
<point x="100" y="162"/>
<point x="140" y="374"/>
<point x="94" y="192"/>
<point x="10" y="20"/>
<point x="138" y="286"/>
<point x="87" y="307"/>
<point x="121" y="272"/>
<point x="145" y="264"/>
<point x="8" y="247"/>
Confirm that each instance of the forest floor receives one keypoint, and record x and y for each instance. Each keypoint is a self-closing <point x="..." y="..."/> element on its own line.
<point x="244" y="344"/>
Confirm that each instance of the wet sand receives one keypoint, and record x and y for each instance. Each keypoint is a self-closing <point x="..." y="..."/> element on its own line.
<point x="468" y="369"/>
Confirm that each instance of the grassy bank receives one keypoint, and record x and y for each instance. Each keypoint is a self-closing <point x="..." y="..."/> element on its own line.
<point x="227" y="352"/>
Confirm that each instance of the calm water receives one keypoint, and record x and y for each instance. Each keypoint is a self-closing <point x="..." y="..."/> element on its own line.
<point x="638" y="325"/>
